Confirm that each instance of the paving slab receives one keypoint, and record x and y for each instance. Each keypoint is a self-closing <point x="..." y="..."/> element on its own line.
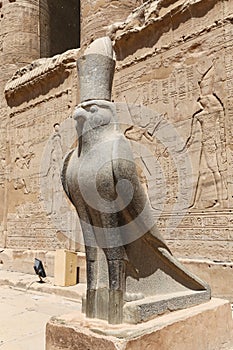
<point x="29" y="282"/>
<point x="24" y="315"/>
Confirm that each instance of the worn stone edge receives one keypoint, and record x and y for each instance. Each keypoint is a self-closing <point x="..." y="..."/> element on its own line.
<point x="139" y="311"/>
<point x="57" y="64"/>
<point x="120" y="39"/>
<point x="130" y="332"/>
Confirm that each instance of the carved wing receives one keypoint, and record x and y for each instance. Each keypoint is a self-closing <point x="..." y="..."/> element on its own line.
<point x="122" y="152"/>
<point x="63" y="173"/>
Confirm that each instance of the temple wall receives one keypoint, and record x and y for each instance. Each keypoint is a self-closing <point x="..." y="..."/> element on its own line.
<point x="38" y="95"/>
<point x="97" y="15"/>
<point x="39" y="102"/>
<point x="174" y="86"/>
<point x="19" y="45"/>
<point x="179" y="64"/>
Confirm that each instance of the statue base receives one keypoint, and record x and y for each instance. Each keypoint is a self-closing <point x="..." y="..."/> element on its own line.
<point x="147" y="308"/>
<point x="205" y="326"/>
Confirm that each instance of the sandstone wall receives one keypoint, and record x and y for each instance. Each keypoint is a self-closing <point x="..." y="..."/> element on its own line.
<point x="174" y="87"/>
<point x="179" y="63"/>
<point x="35" y="92"/>
<point x="19" y="45"/>
<point x="39" y="100"/>
<point x="97" y="15"/>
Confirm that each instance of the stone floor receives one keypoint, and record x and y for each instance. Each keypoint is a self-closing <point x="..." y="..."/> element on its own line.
<point x="24" y="316"/>
<point x="29" y="282"/>
<point x="26" y="306"/>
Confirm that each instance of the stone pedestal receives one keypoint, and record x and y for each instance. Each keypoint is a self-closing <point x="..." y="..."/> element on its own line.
<point x="206" y="326"/>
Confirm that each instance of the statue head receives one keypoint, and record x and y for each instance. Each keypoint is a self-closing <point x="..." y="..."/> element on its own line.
<point x="94" y="115"/>
<point x="96" y="112"/>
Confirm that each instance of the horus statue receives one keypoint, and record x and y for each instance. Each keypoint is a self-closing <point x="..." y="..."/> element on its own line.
<point x="132" y="275"/>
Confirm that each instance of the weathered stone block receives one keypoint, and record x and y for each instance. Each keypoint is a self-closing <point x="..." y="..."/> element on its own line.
<point x="202" y="327"/>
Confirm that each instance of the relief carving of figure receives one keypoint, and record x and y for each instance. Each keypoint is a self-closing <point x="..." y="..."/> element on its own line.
<point x="208" y="121"/>
<point x="54" y="170"/>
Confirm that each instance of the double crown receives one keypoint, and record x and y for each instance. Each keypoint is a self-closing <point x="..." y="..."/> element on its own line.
<point x="96" y="70"/>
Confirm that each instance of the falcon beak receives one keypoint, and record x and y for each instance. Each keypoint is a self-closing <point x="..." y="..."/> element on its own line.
<point x="80" y="115"/>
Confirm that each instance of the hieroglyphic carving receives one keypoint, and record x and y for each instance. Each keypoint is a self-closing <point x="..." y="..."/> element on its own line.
<point x="136" y="133"/>
<point x="186" y="89"/>
<point x="24" y="155"/>
<point x="22" y="158"/>
<point x="157" y="168"/>
<point x="2" y="167"/>
<point x="21" y="184"/>
<point x="206" y="100"/>
<point x="228" y="61"/>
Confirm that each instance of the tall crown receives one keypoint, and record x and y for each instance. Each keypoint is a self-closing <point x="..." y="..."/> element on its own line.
<point x="96" y="71"/>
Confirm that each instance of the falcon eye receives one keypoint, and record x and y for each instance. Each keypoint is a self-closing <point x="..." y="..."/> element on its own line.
<point x="93" y="109"/>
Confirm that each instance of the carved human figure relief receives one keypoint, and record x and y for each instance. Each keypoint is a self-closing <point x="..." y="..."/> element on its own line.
<point x="208" y="121"/>
<point x="54" y="202"/>
<point x="54" y="170"/>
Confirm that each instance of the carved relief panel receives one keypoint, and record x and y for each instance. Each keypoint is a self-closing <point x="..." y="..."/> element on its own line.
<point x="190" y="85"/>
